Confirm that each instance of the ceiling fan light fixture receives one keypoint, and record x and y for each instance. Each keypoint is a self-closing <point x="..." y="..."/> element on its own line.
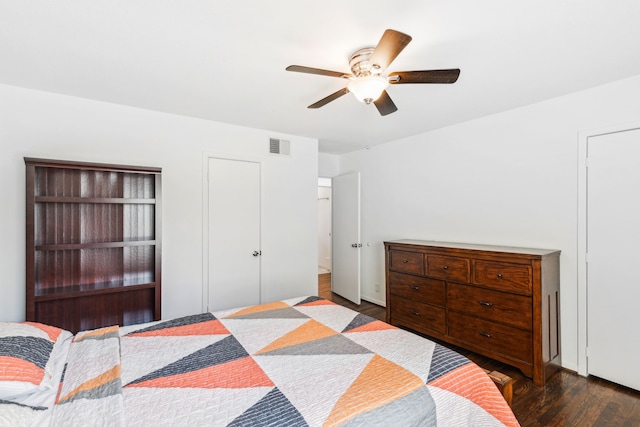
<point x="368" y="88"/>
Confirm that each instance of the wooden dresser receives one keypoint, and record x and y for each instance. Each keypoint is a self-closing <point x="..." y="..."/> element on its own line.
<point x="502" y="302"/>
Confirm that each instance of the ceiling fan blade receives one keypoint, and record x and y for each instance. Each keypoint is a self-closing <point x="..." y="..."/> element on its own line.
<point x="309" y="70"/>
<point x="328" y="99"/>
<point x="426" y="76"/>
<point x="388" y="48"/>
<point x="385" y="105"/>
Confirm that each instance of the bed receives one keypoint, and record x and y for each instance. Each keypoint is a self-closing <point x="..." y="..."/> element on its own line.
<point x="299" y="362"/>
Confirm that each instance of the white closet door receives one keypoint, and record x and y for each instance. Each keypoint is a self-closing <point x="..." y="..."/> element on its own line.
<point x="613" y="247"/>
<point x="234" y="233"/>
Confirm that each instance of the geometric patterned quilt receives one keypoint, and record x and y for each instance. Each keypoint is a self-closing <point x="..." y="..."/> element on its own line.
<point x="299" y="362"/>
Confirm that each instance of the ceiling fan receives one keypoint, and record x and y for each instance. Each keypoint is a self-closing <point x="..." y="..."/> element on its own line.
<point x="368" y="82"/>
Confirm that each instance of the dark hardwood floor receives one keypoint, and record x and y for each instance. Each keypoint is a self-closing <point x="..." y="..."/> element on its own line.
<point x="324" y="291"/>
<point x="568" y="399"/>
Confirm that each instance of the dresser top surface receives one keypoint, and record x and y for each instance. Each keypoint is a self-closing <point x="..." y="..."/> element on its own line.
<point x="474" y="246"/>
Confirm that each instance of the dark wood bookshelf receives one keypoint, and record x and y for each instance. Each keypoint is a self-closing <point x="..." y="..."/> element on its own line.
<point x="89" y="289"/>
<point x="70" y="246"/>
<point x="93" y="234"/>
<point x="109" y="200"/>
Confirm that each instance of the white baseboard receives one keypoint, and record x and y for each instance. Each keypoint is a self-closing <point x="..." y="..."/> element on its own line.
<point x="373" y="300"/>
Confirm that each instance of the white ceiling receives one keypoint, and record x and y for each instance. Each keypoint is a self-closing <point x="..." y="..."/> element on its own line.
<point x="225" y="60"/>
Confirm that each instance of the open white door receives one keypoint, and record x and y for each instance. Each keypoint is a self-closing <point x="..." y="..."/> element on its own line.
<point x="345" y="274"/>
<point x="613" y="229"/>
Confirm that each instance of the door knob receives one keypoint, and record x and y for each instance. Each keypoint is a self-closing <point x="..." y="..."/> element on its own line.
<point x="256" y="253"/>
<point x="356" y="245"/>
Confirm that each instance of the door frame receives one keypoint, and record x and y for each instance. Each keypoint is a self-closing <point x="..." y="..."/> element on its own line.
<point x="583" y="139"/>
<point x="205" y="213"/>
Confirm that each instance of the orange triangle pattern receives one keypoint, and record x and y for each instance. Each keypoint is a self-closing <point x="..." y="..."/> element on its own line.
<point x="110" y="375"/>
<point x="17" y="369"/>
<point x="307" y="332"/>
<point x="52" y="331"/>
<point x="372" y="326"/>
<point x="210" y="327"/>
<point x="239" y="373"/>
<point x="97" y="333"/>
<point x="258" y="309"/>
<point x="470" y="382"/>
<point x="317" y="302"/>
<point x="379" y="383"/>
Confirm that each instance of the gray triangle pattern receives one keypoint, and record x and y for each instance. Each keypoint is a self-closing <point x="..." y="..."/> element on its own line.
<point x="418" y="406"/>
<point x="273" y="410"/>
<point x="335" y="344"/>
<point x="280" y="313"/>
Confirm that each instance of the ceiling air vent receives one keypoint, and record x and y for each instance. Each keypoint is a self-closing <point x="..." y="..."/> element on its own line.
<point x="279" y="146"/>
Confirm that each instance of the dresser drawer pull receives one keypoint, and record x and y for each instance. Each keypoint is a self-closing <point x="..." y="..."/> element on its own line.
<point x="415" y="313"/>
<point x="404" y="261"/>
<point x="499" y="275"/>
<point x="446" y="267"/>
<point x="484" y="334"/>
<point x="414" y="287"/>
<point x="485" y="303"/>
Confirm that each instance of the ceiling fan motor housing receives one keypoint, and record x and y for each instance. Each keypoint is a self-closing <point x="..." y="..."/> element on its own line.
<point x="359" y="62"/>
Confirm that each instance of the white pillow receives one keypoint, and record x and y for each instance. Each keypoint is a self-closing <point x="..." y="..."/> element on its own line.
<point x="29" y="355"/>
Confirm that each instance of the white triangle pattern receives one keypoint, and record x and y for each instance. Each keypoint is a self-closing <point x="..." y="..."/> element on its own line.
<point x="294" y="301"/>
<point x="255" y="334"/>
<point x="189" y="407"/>
<point x="410" y="351"/>
<point x="453" y="409"/>
<point x="85" y="412"/>
<point x="334" y="316"/>
<point x="228" y="312"/>
<point x="313" y="384"/>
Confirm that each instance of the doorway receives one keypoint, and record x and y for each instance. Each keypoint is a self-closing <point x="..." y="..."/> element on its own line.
<point x="324" y="225"/>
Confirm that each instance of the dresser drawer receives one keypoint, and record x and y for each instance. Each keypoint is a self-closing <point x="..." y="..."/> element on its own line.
<point x="418" y="316"/>
<point x="407" y="262"/>
<point x="448" y="268"/>
<point x="416" y="288"/>
<point x="491" y="336"/>
<point x="504" y="276"/>
<point x="515" y="310"/>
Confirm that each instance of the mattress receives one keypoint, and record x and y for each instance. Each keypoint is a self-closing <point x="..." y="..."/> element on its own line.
<point x="299" y="362"/>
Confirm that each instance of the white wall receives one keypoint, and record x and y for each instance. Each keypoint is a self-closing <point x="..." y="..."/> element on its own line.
<point x="39" y="124"/>
<point x="328" y="165"/>
<point x="508" y="179"/>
